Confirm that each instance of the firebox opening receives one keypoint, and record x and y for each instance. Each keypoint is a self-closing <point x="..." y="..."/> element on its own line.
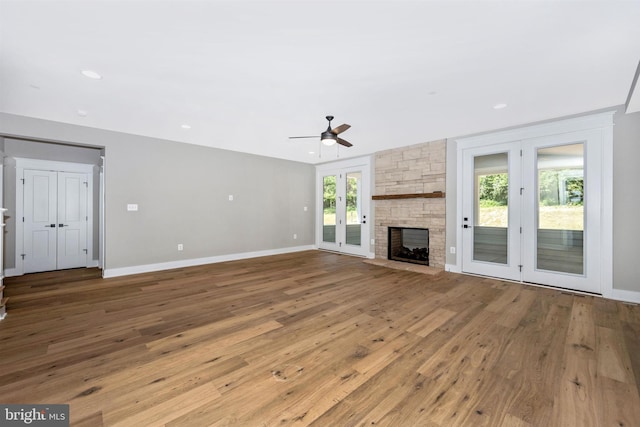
<point x="409" y="245"/>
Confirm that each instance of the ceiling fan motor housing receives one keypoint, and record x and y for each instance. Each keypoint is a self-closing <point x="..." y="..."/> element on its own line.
<point x="328" y="137"/>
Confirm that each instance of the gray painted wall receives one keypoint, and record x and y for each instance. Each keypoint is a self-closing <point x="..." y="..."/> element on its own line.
<point x="182" y="191"/>
<point x="451" y="183"/>
<point x="626" y="199"/>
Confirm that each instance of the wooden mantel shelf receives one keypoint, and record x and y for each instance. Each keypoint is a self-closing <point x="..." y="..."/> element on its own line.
<point x="434" y="195"/>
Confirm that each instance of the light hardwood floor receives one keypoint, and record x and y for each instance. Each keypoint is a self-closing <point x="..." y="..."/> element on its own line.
<point x="320" y="339"/>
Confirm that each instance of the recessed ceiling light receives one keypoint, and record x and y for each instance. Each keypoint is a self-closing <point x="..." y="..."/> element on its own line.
<point x="82" y="113"/>
<point x="499" y="106"/>
<point x="91" y="74"/>
<point x="185" y="127"/>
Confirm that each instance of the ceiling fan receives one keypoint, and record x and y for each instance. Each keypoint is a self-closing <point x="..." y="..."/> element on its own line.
<point x="330" y="136"/>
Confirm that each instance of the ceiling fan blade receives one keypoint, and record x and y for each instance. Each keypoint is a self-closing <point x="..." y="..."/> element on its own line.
<point x="345" y="143"/>
<point x="297" y="137"/>
<point x="340" y="128"/>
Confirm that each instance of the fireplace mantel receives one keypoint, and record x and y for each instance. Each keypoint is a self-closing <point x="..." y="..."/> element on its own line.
<point x="434" y="195"/>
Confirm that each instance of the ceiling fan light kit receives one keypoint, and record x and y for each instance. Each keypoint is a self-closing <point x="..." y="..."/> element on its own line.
<point x="328" y="138"/>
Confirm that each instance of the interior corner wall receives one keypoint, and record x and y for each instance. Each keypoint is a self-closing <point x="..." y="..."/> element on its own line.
<point x="451" y="181"/>
<point x="182" y="192"/>
<point x="626" y="200"/>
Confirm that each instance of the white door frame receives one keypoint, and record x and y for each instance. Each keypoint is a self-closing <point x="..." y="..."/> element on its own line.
<point x="602" y="123"/>
<point x="344" y="166"/>
<point x="24" y="163"/>
<point x="101" y="234"/>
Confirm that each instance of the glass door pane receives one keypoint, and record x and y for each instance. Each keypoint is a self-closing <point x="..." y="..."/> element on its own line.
<point x="329" y="209"/>
<point x="491" y="194"/>
<point x="560" y="213"/>
<point x="353" y="212"/>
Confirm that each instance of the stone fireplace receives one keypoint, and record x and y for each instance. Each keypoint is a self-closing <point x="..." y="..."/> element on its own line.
<point x="409" y="192"/>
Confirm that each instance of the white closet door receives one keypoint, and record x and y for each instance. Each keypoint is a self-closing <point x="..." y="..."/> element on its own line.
<point x="72" y="220"/>
<point x="40" y="227"/>
<point x="55" y="220"/>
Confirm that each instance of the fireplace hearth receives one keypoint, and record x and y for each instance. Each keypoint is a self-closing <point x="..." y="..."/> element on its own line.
<point x="409" y="244"/>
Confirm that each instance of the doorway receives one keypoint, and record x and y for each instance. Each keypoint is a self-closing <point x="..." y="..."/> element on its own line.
<point x="532" y="210"/>
<point x="343" y="200"/>
<point x="53" y="203"/>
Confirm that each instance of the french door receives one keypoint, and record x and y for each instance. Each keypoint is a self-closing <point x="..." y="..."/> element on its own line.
<point x="532" y="210"/>
<point x="343" y="215"/>
<point x="491" y="211"/>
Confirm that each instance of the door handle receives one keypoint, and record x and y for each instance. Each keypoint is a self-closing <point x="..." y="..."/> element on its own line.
<point x="63" y="225"/>
<point x="51" y="225"/>
<point x="467" y="226"/>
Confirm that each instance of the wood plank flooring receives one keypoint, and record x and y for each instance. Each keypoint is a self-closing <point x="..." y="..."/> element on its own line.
<point x="318" y="339"/>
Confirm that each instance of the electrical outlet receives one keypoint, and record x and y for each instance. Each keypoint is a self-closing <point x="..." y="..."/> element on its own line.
<point x="305" y="208"/>
<point x="180" y="246"/>
<point x="132" y="207"/>
<point x="452" y="249"/>
<point x="295" y="236"/>
<point x="373" y="241"/>
<point x="231" y="197"/>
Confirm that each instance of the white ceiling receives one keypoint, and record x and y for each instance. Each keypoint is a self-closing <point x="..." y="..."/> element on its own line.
<point x="246" y="75"/>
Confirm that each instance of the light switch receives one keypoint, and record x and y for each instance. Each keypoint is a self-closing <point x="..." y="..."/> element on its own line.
<point x="231" y="197"/>
<point x="132" y="207"/>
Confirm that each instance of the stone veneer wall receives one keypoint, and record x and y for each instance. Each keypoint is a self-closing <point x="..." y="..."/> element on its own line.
<point x="408" y="170"/>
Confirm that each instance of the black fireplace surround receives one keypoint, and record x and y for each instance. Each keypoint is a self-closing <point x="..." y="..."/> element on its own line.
<point x="409" y="244"/>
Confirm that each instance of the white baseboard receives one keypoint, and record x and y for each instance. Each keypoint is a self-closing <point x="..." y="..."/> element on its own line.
<point x="148" y="268"/>
<point x="624" y="295"/>
<point x="615" y="294"/>
<point x="452" y="268"/>
<point x="11" y="272"/>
